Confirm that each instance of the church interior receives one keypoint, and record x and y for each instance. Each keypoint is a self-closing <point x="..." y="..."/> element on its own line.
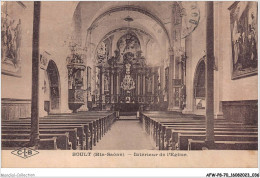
<point x="129" y="75"/>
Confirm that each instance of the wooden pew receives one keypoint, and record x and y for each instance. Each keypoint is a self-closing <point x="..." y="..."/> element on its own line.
<point x="224" y="145"/>
<point x="182" y="143"/>
<point x="150" y="122"/>
<point x="150" y="125"/>
<point x="72" y="133"/>
<point x="69" y="119"/>
<point x="87" y="124"/>
<point x="196" y="125"/>
<point x="164" y="130"/>
<point x="92" y="121"/>
<point x="45" y="144"/>
<point x="79" y="128"/>
<point x="176" y="133"/>
<point x="229" y="131"/>
<point x="199" y="126"/>
<point x="62" y="140"/>
<point x="100" y="125"/>
<point x="157" y="126"/>
<point x="189" y="123"/>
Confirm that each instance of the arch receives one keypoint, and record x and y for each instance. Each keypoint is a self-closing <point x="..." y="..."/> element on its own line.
<point x="132" y="29"/>
<point x="123" y="29"/>
<point x="54" y="87"/>
<point x="132" y="33"/>
<point x="129" y="36"/>
<point x="73" y="8"/>
<point x="199" y="84"/>
<point x="136" y="9"/>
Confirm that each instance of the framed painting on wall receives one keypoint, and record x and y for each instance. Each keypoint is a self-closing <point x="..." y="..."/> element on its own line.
<point x="10" y="42"/>
<point x="244" y="36"/>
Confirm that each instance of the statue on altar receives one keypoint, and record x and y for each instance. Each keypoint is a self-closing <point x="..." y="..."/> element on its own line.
<point x="128" y="82"/>
<point x="124" y="75"/>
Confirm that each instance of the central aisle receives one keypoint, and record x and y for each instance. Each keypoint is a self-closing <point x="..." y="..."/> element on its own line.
<point x="125" y="135"/>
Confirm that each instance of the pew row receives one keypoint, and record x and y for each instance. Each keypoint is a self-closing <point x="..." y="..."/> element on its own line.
<point x="83" y="130"/>
<point x="44" y="144"/>
<point x="223" y="145"/>
<point x="172" y="131"/>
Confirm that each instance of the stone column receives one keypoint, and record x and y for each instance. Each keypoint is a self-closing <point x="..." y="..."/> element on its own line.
<point x="176" y="25"/>
<point x="42" y="89"/>
<point x="138" y="84"/>
<point x="171" y="73"/>
<point x="100" y="86"/>
<point x="218" y="74"/>
<point x="210" y="74"/>
<point x="189" y="76"/>
<point x="85" y="94"/>
<point x="144" y="84"/>
<point x="103" y="87"/>
<point x="153" y="83"/>
<point x="35" y="139"/>
<point x="117" y="83"/>
<point x="176" y="75"/>
<point x="141" y="84"/>
<point x="103" y="83"/>
<point x="162" y="82"/>
<point x="112" y="86"/>
<point x="94" y="83"/>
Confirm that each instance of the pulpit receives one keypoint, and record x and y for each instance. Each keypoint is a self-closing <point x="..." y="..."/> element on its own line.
<point x="76" y="99"/>
<point x="76" y="69"/>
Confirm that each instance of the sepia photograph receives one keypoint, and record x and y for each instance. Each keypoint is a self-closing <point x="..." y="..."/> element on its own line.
<point x="136" y="83"/>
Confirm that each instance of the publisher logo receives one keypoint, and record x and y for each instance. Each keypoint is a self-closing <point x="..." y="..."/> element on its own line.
<point x="25" y="152"/>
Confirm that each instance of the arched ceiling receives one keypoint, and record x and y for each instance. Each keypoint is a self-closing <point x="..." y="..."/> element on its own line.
<point x="116" y="20"/>
<point x="139" y="13"/>
<point x="160" y="9"/>
<point x="98" y="19"/>
<point x="145" y="38"/>
<point x="102" y="17"/>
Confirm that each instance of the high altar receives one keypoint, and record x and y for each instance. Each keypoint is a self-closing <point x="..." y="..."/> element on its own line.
<point x="124" y="81"/>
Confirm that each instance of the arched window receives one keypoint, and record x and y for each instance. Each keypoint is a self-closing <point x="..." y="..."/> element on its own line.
<point x="199" y="85"/>
<point x="54" y="83"/>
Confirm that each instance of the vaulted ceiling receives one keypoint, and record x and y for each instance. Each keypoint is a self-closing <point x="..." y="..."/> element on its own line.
<point x="101" y="18"/>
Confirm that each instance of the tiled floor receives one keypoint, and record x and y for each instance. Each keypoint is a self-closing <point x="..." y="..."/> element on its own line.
<point x="125" y="135"/>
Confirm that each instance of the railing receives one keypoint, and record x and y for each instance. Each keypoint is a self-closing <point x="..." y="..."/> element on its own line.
<point x="122" y="99"/>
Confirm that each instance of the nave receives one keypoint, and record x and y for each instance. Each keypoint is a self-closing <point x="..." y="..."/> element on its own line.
<point x="68" y="76"/>
<point x="126" y="135"/>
